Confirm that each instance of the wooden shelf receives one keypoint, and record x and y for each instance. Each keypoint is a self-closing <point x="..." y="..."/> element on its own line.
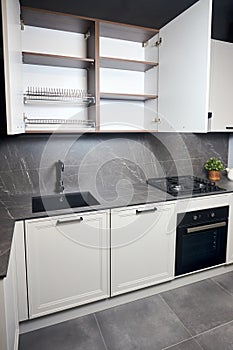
<point x="56" y="60"/>
<point x="55" y="20"/>
<point x="126" y="32"/>
<point x="125" y="64"/>
<point x="129" y="97"/>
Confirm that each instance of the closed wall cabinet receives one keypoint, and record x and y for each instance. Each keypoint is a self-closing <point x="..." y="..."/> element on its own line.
<point x="67" y="261"/>
<point x="221" y="87"/>
<point x="142" y="247"/>
<point x="66" y="73"/>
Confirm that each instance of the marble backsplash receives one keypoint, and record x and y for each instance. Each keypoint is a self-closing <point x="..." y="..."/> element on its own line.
<point x="106" y="161"/>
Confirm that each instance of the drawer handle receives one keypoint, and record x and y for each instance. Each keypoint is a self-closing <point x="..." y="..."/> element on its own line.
<point x="145" y="211"/>
<point x="68" y="221"/>
<point x="229" y="127"/>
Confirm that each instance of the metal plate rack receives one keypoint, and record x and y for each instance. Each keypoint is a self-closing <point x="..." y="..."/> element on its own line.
<point x="58" y="96"/>
<point x="85" y="124"/>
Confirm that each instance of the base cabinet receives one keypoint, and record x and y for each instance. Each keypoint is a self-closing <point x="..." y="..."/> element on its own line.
<point x="142" y="247"/>
<point x="9" y="317"/>
<point x="67" y="261"/>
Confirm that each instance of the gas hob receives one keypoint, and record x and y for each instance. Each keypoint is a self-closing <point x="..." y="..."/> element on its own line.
<point x="184" y="185"/>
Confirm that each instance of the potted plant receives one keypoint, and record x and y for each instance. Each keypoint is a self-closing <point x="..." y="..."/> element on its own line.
<point x="214" y="166"/>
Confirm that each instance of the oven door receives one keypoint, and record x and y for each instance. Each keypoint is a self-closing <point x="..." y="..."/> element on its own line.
<point x="200" y="247"/>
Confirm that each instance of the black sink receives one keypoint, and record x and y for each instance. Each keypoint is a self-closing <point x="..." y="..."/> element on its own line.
<point x="63" y="201"/>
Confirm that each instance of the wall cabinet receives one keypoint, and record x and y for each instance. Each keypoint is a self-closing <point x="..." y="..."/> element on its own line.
<point x="67" y="261"/>
<point x="221" y="86"/>
<point x="75" y="73"/>
<point x="142" y="246"/>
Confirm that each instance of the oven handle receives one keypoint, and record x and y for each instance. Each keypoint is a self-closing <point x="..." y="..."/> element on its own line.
<point x="206" y="227"/>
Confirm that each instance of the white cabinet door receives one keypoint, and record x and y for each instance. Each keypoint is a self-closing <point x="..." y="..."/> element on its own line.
<point x="142" y="247"/>
<point x="221" y="86"/>
<point x="13" y="65"/>
<point x="67" y="261"/>
<point x="230" y="231"/>
<point x="184" y="63"/>
<point x="21" y="278"/>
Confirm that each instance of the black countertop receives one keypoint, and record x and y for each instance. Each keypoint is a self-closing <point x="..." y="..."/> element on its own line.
<point x="18" y="207"/>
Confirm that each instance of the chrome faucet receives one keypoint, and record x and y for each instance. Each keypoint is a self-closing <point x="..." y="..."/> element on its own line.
<point x="59" y="182"/>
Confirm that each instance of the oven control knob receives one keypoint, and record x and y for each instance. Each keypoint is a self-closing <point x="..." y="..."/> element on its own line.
<point x="212" y="215"/>
<point x="195" y="217"/>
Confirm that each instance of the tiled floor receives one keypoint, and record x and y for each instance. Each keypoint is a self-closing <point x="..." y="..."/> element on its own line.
<point x="195" y="317"/>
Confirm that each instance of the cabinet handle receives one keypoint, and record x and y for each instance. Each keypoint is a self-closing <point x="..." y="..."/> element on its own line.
<point x="68" y="221"/>
<point x="229" y="127"/>
<point x="144" y="211"/>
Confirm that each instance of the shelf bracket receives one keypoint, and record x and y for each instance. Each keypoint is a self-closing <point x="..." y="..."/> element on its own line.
<point x="87" y="35"/>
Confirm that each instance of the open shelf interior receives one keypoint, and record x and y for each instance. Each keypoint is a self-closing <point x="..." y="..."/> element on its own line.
<point x="55" y="20"/>
<point x="126" y="32"/>
<point x="56" y="60"/>
<point x="126" y="64"/>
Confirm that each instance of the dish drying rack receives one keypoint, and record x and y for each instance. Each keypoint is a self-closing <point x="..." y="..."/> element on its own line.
<point x="58" y="95"/>
<point x="53" y="122"/>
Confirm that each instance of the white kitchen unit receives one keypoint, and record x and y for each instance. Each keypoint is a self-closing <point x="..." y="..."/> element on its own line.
<point x="137" y="79"/>
<point x="67" y="261"/>
<point x="221" y="87"/>
<point x="9" y="317"/>
<point x="142" y="246"/>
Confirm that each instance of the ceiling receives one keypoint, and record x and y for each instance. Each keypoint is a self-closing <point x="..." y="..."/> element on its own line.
<point x="147" y="13"/>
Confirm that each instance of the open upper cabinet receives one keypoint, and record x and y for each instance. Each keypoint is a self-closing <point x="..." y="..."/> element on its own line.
<point x="66" y="73"/>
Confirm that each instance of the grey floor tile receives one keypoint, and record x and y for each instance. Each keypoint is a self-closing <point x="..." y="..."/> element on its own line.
<point x="201" y="306"/>
<point x="146" y="324"/>
<point x="79" y="334"/>
<point x="217" y="339"/>
<point x="225" y="280"/>
<point x="186" y="345"/>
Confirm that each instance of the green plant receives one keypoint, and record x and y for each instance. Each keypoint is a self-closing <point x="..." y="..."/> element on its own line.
<point x="214" y="164"/>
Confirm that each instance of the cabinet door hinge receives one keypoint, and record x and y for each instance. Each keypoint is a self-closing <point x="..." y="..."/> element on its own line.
<point x="157" y="43"/>
<point x="22" y="24"/>
<point x="87" y="35"/>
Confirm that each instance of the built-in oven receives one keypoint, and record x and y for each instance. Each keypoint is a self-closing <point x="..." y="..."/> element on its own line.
<point x="201" y="239"/>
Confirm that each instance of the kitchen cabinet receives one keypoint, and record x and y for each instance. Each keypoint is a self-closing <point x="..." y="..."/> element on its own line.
<point x="128" y="77"/>
<point x="9" y="317"/>
<point x="142" y="246"/>
<point x="221" y="86"/>
<point x="104" y="76"/>
<point x="67" y="261"/>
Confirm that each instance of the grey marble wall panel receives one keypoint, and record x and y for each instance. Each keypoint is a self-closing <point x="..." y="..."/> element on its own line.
<point x="105" y="162"/>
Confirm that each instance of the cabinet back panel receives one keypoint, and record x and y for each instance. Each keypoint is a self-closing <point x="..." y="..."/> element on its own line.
<point x="54" y="42"/>
<point x="121" y="49"/>
<point x="121" y="81"/>
<point x="121" y="115"/>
